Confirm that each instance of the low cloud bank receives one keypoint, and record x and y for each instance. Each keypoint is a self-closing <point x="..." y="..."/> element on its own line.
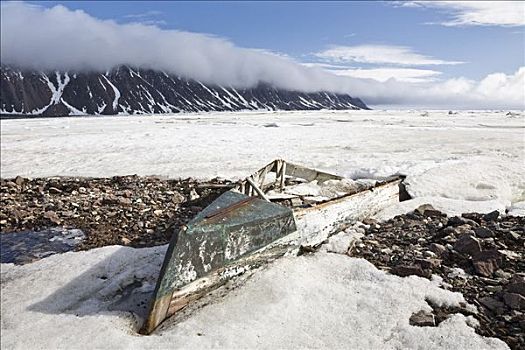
<point x="495" y="91"/>
<point x="61" y="39"/>
<point x="58" y="38"/>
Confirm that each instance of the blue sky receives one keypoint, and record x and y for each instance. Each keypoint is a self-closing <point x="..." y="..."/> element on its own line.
<point x="437" y="51"/>
<point x="299" y="29"/>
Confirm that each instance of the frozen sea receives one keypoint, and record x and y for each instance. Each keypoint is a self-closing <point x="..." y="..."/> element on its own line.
<point x="461" y="161"/>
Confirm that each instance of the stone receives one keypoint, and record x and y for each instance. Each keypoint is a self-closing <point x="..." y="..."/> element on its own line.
<point x="432" y="213"/>
<point x="408" y="270"/>
<point x="455" y="221"/>
<point x="127" y="193"/>
<point x="466" y="244"/>
<point x="124" y="201"/>
<point x="438" y="249"/>
<point x="502" y="274"/>
<point x="483" y="232"/>
<point x="492" y="304"/>
<point x="429" y="254"/>
<point x="53" y="217"/>
<point x="19" y="180"/>
<point x="177" y="198"/>
<point x="487" y="262"/>
<point x="514" y="301"/>
<point x="493" y="289"/>
<point x="458" y="221"/>
<point x="516" y="285"/>
<point x="493" y="215"/>
<point x="428" y="264"/>
<point x="472" y="216"/>
<point x="422" y="319"/>
<point x="424" y="207"/>
<point x="54" y="190"/>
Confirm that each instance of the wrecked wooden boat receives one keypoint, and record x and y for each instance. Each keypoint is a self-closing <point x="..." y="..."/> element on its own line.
<point x="281" y="208"/>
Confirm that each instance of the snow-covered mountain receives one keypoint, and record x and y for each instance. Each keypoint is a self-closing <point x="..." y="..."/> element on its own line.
<point x="125" y="90"/>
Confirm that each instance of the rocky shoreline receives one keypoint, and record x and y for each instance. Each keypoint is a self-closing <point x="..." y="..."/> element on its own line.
<point x="481" y="256"/>
<point x="125" y="210"/>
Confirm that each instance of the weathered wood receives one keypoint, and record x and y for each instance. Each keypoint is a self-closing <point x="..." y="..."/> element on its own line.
<point x="309" y="174"/>
<point x="212" y="241"/>
<point x="257" y="189"/>
<point x="213" y="249"/>
<point x="282" y="176"/>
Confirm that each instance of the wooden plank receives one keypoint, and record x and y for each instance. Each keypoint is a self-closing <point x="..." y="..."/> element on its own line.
<point x="314" y="225"/>
<point x="257" y="189"/>
<point x="282" y="176"/>
<point x="309" y="174"/>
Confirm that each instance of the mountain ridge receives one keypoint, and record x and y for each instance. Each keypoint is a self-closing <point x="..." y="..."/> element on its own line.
<point x="126" y="90"/>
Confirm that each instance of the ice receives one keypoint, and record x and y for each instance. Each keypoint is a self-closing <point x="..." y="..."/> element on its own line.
<point x="472" y="159"/>
<point x="92" y="299"/>
<point x="469" y="161"/>
<point x="517" y="209"/>
<point x="115" y="91"/>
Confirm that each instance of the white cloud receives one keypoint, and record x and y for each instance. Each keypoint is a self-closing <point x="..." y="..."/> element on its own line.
<point x="495" y="91"/>
<point x="59" y="38"/>
<point x="410" y="75"/>
<point x="380" y="54"/>
<point x="476" y="13"/>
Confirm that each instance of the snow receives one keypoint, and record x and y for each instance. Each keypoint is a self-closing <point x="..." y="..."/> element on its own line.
<point x="469" y="161"/>
<point x="472" y="159"/>
<point x="115" y="91"/>
<point x="83" y="299"/>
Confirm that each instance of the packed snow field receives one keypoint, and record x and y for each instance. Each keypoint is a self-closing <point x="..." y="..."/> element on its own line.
<point x="470" y="156"/>
<point x="462" y="162"/>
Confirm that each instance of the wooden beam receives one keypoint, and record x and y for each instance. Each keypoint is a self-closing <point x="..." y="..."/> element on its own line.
<point x="257" y="189"/>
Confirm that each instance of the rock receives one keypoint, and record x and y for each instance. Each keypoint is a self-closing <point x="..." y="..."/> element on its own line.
<point x="514" y="301"/>
<point x="502" y="274"/>
<point x="19" y="180"/>
<point x="492" y="304"/>
<point x="194" y="195"/>
<point x="486" y="262"/>
<point x="177" y="198"/>
<point x="516" y="285"/>
<point x="466" y="244"/>
<point x="422" y="319"/>
<point x="434" y="213"/>
<point x="424" y="207"/>
<point x="438" y="249"/>
<point x="428" y="264"/>
<point x="157" y="212"/>
<point x="458" y="221"/>
<point x="483" y="232"/>
<point x="408" y="270"/>
<point x="53" y="217"/>
<point x="493" y="215"/>
<point x="54" y="190"/>
<point x="124" y="201"/>
<point x="125" y="240"/>
<point x="429" y="254"/>
<point x="455" y="221"/>
<point x="127" y="193"/>
<point x="472" y="216"/>
<point x="493" y="289"/>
